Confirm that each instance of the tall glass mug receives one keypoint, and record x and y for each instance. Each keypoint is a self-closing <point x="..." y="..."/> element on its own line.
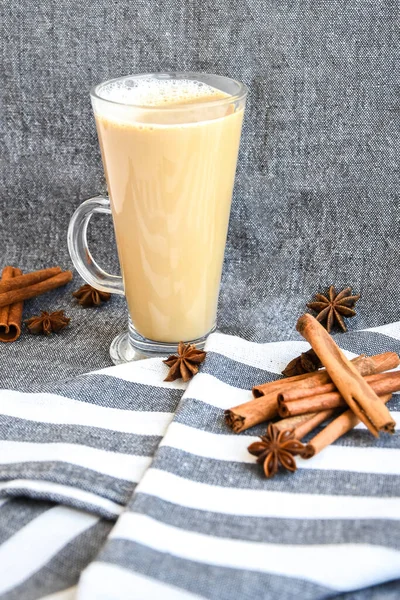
<point x="169" y="144"/>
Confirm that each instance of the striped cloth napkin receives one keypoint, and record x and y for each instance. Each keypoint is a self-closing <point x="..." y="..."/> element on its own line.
<point x="72" y="458"/>
<point x="88" y="442"/>
<point x="44" y="547"/>
<point x="204" y="522"/>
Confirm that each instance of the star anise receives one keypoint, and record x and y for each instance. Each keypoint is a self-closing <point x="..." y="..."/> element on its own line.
<point x="185" y="364"/>
<point x="89" y="296"/>
<point x="277" y="448"/>
<point x="47" y="323"/>
<point x="331" y="307"/>
<point x="307" y="362"/>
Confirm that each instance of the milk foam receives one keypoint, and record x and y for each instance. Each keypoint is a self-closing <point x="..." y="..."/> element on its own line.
<point x="157" y="92"/>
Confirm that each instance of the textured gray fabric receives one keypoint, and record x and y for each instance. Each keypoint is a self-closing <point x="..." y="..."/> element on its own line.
<point x="17" y="513"/>
<point x="121" y="429"/>
<point x="82" y="414"/>
<point x="316" y="197"/>
<point x="190" y="522"/>
<point x="63" y="568"/>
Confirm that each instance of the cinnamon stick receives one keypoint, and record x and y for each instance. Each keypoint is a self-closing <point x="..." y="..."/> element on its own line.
<point x="11" y="315"/>
<point x="265" y="406"/>
<point x="338" y="427"/>
<point x="357" y="393"/>
<point x="253" y="412"/>
<point x="31" y="291"/>
<point x="381" y="383"/>
<point x="383" y="362"/>
<point x="303" y="424"/>
<point x="366" y="365"/>
<point x="293" y="422"/>
<point x="28" y="279"/>
<point x="304" y="428"/>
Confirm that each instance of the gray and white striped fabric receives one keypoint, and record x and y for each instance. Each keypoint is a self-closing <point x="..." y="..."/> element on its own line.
<point x="84" y="445"/>
<point x="44" y="547"/>
<point x="88" y="442"/>
<point x="205" y="523"/>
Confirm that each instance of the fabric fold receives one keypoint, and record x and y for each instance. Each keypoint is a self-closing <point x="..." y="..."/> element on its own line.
<point x="88" y="441"/>
<point x="70" y="458"/>
<point x="201" y="521"/>
<point x="205" y="523"/>
<point x="44" y="547"/>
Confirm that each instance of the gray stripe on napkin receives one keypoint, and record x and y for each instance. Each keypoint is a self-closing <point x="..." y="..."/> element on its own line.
<point x="16" y="513"/>
<point x="113" y="392"/>
<point x="28" y="494"/>
<point x="271" y="530"/>
<point x="367" y="342"/>
<point x="235" y="373"/>
<point x="213" y="582"/>
<point x="203" y="416"/>
<point x="250" y="476"/>
<point x="117" y="490"/>
<point x="63" y="570"/>
<point x="15" y="429"/>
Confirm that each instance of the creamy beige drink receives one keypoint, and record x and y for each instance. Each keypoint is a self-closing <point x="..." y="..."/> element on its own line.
<point x="170" y="172"/>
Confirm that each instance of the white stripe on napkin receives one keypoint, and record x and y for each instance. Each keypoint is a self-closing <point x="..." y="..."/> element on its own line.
<point x="318" y="563"/>
<point x="114" y="464"/>
<point x="209" y="445"/>
<point x="391" y="330"/>
<point x="63" y="491"/>
<point x="272" y="357"/>
<point x="151" y="371"/>
<point x="263" y="503"/>
<point x="110" y="582"/>
<point x="383" y="461"/>
<point x="213" y="391"/>
<point x="234" y="448"/>
<point x="36" y="543"/>
<point x="50" y="408"/>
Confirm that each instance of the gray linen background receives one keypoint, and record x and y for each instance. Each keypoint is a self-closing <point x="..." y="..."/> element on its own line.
<point x="316" y="196"/>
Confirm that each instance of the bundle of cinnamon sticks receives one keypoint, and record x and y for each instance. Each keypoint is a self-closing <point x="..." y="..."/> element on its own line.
<point x="16" y="287"/>
<point x="303" y="402"/>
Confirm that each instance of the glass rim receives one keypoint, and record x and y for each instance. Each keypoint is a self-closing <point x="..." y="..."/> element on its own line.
<point x="193" y="75"/>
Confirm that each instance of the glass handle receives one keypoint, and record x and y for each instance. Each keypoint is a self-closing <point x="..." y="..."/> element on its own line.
<point x="80" y="254"/>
